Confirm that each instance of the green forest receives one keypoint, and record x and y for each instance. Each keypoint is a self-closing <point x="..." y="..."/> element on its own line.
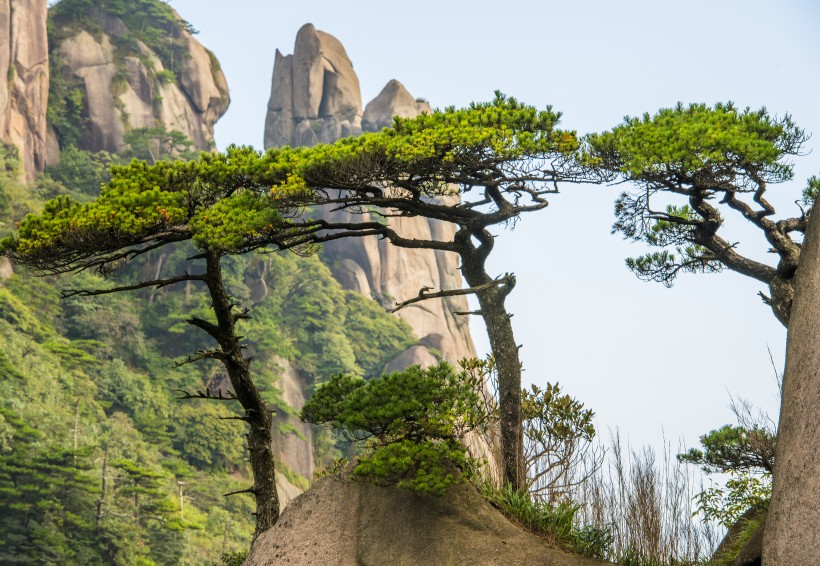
<point x="160" y="294"/>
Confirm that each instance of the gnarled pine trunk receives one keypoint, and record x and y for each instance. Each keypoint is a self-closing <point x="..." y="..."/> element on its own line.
<point x="257" y="413"/>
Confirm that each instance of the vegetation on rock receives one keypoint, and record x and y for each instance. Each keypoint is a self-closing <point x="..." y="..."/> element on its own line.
<point x="412" y="423"/>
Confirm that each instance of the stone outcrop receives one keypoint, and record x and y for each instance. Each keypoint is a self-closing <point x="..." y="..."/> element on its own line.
<point x="792" y="534"/>
<point x="343" y="523"/>
<point x="24" y="76"/>
<point x="393" y="100"/>
<point x="295" y="450"/>
<point x="133" y="88"/>
<point x="315" y="98"/>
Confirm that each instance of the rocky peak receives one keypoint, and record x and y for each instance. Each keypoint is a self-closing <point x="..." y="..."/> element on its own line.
<point x="315" y="98"/>
<point x="393" y="100"/>
<point x="24" y="79"/>
<point x="128" y="78"/>
<point x="315" y="95"/>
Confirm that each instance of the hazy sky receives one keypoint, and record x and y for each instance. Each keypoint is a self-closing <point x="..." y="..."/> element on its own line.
<point x="647" y="359"/>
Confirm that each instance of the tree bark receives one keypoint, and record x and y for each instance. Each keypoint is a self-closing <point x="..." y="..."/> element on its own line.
<point x="257" y="413"/>
<point x="507" y="362"/>
<point x="792" y="535"/>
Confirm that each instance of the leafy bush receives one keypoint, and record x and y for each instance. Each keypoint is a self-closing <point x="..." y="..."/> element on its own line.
<point x="412" y="421"/>
<point x="745" y="452"/>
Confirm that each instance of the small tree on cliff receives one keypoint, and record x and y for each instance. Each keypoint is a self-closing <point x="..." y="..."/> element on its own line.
<point x="214" y="202"/>
<point x="471" y="169"/>
<point x="689" y="163"/>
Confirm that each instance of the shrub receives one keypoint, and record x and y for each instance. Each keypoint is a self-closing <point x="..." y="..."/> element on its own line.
<point x="412" y="422"/>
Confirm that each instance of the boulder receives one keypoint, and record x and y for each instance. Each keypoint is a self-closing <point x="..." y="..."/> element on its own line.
<point x="338" y="522"/>
<point x="24" y="77"/>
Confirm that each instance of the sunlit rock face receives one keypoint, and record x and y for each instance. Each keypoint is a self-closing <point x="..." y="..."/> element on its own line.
<point x="315" y="98"/>
<point x="133" y="86"/>
<point x="24" y="76"/>
<point x="315" y="95"/>
<point x="341" y="522"/>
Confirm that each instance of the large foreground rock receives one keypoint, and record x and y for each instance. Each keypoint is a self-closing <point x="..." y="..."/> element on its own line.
<point x="358" y="524"/>
<point x="792" y="535"/>
<point x="24" y="76"/>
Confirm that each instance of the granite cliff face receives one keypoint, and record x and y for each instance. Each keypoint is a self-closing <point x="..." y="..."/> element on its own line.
<point x="24" y="78"/>
<point x="315" y="98"/>
<point x="126" y="84"/>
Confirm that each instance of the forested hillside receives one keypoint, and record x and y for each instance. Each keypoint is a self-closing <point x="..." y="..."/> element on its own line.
<point x="100" y="463"/>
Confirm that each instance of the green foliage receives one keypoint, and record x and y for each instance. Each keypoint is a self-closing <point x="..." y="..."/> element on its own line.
<point x="716" y="158"/>
<point x="152" y="22"/>
<point x="232" y="559"/>
<point x="747" y="527"/>
<point x="734" y="448"/>
<point x="204" y="441"/>
<point x="66" y="111"/>
<point x="377" y="338"/>
<point x="197" y="199"/>
<point x="556" y="521"/>
<point x="166" y="76"/>
<point x="747" y="456"/>
<point x="413" y="421"/>
<point x="558" y="433"/>
<point x="686" y="141"/>
<point x="444" y="149"/>
<point x="80" y="172"/>
<point x="811" y="191"/>
<point x="157" y="143"/>
<point x="744" y="491"/>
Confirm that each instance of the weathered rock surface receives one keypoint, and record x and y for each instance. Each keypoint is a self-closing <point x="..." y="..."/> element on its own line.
<point x="6" y="270"/>
<point x="339" y="523"/>
<point x="792" y="534"/>
<point x="135" y="90"/>
<point x="24" y="77"/>
<point x="315" y="98"/>
<point x="296" y="451"/>
<point x="393" y="100"/>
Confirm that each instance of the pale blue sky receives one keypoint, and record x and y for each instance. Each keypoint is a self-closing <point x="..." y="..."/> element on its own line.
<point x="648" y="360"/>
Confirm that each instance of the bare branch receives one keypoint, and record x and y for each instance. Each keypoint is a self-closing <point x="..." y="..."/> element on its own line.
<point x="214" y="354"/>
<point x="251" y="490"/>
<point x="424" y="293"/>
<point x="207" y="394"/>
<point x="157" y="283"/>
